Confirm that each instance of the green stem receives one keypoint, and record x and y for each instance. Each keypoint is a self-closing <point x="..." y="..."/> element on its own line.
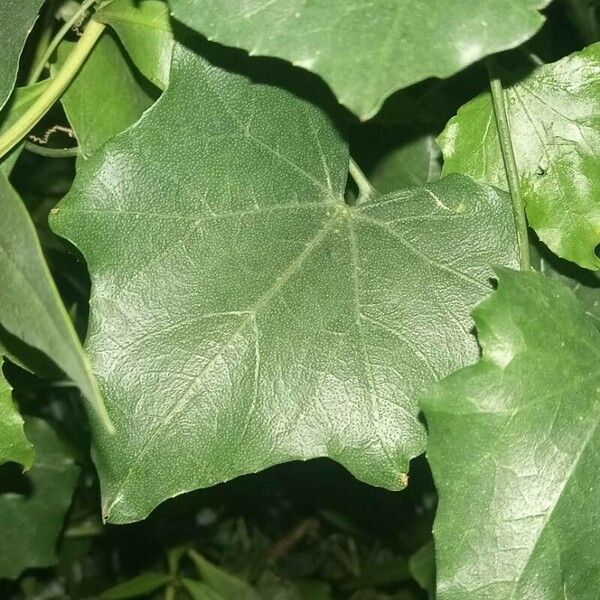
<point x="44" y="41"/>
<point x="365" y="189"/>
<point x="40" y="65"/>
<point x="14" y="134"/>
<point x="170" y="592"/>
<point x="510" y="165"/>
<point x="51" y="152"/>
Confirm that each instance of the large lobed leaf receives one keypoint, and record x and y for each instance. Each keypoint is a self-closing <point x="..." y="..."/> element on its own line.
<point x="32" y="515"/>
<point x="554" y="116"/>
<point x="16" y="21"/>
<point x="367" y="50"/>
<point x="242" y="314"/>
<point x="14" y="446"/>
<point x="514" y="447"/>
<point x="30" y="306"/>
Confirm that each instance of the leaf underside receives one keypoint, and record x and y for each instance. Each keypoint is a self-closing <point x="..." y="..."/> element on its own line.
<point x="242" y="314"/>
<point x="30" y="306"/>
<point x="515" y="442"/>
<point x="554" y="116"/>
<point x="367" y="50"/>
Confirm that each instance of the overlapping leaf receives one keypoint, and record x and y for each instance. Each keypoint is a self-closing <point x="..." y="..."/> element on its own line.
<point x="14" y="446"/>
<point x="105" y="98"/>
<point x="242" y="314"/>
<point x="515" y="450"/>
<point x="414" y="163"/>
<point x="16" y="19"/>
<point x="30" y="307"/>
<point x="554" y="116"/>
<point x="367" y="50"/>
<point x="145" y="30"/>
<point x="22" y="99"/>
<point x="32" y="514"/>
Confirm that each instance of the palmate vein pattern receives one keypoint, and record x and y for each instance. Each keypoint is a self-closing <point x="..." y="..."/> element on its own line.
<point x="242" y="314"/>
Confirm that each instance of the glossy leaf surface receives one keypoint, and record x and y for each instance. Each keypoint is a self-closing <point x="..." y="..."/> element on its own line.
<point x="554" y="116"/>
<point x="242" y="314"/>
<point x="145" y="30"/>
<point x="367" y="50"/>
<point x="515" y="451"/>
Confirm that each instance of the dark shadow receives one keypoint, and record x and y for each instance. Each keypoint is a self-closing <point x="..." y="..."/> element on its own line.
<point x="14" y="481"/>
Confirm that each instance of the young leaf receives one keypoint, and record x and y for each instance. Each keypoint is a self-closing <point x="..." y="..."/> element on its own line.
<point x="199" y="590"/>
<point x="141" y="585"/>
<point x="30" y="307"/>
<point x="422" y="568"/>
<point x="555" y="128"/>
<point x="367" y="50"/>
<point x="228" y="586"/>
<point x="414" y="163"/>
<point x="105" y="98"/>
<point x="145" y="30"/>
<point x="242" y="314"/>
<point x="14" y="446"/>
<point x="16" y="21"/>
<point x="514" y="451"/>
<point x="32" y="518"/>
<point x="22" y="99"/>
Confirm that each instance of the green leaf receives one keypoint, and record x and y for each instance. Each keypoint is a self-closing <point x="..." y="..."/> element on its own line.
<point x="144" y="28"/>
<point x="200" y="591"/>
<point x="22" y="99"/>
<point x="16" y="21"/>
<point x="31" y="518"/>
<point x="414" y="163"/>
<point x="585" y="15"/>
<point x="366" y="51"/>
<point x="30" y="306"/>
<point x="242" y="314"/>
<point x="514" y="451"/>
<point x="554" y="116"/>
<point x="105" y="98"/>
<point x="141" y="585"/>
<point x="422" y="567"/>
<point x="585" y="284"/>
<point x="222" y="582"/>
<point x="14" y="446"/>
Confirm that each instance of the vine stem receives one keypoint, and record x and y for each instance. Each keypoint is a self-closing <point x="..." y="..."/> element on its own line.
<point x="365" y="189"/>
<point x="510" y="165"/>
<point x="13" y="135"/>
<point x="45" y="38"/>
<point x="56" y="40"/>
<point x="51" y="152"/>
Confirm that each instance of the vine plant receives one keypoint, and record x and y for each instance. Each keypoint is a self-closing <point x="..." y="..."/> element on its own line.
<point x="249" y="308"/>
